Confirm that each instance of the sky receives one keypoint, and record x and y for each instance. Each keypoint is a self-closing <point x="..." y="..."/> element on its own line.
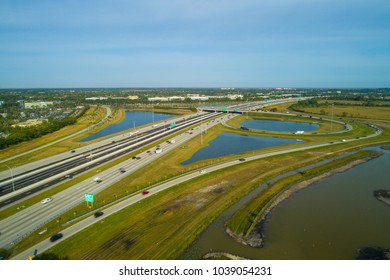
<point x="194" y="43"/>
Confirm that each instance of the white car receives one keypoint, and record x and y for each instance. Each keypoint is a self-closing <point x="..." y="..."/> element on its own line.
<point x="202" y="171"/>
<point x="46" y="200"/>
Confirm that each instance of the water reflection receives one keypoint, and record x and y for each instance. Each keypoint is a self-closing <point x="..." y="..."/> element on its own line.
<point x="280" y="126"/>
<point x="132" y="118"/>
<point x="331" y="219"/>
<point x="230" y="143"/>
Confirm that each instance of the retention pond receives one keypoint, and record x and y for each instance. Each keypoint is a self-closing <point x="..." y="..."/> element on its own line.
<point x="132" y="119"/>
<point x="279" y="125"/>
<point x="230" y="143"/>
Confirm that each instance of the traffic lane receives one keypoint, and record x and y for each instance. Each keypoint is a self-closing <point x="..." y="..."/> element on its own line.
<point x="75" y="194"/>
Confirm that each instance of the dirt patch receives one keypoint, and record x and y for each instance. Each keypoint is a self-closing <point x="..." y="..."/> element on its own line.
<point x="199" y="198"/>
<point x="120" y="240"/>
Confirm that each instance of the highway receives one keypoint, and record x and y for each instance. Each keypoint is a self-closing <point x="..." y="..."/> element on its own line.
<point x="79" y="226"/>
<point x="20" y="225"/>
<point x="29" y="182"/>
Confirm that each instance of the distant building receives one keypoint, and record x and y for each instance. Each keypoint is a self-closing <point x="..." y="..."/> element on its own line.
<point x="132" y="97"/>
<point x="200" y="98"/>
<point x="192" y="95"/>
<point x="40" y="104"/>
<point x="234" y="96"/>
<point x="158" y="99"/>
<point x="96" y="98"/>
<point x="31" y="122"/>
<point x="169" y="98"/>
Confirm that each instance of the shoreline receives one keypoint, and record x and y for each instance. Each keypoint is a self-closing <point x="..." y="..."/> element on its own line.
<point x="256" y="237"/>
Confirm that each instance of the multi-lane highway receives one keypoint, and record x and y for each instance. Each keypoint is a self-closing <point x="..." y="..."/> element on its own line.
<point x="20" y="225"/>
<point x="28" y="182"/>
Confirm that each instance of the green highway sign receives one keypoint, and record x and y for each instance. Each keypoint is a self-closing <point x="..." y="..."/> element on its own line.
<point x="89" y="197"/>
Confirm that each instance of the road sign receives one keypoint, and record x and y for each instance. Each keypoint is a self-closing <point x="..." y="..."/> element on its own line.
<point x="89" y="197"/>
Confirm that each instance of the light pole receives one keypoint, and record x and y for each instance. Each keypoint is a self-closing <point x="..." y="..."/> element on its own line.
<point x="152" y="113"/>
<point x="90" y="150"/>
<point x="331" y="120"/>
<point x="12" y="176"/>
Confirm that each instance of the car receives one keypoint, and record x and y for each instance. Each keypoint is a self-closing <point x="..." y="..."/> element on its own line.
<point x="56" y="236"/>
<point x="242" y="159"/>
<point x="98" y="214"/>
<point x="145" y="192"/>
<point x="72" y="151"/>
<point x="122" y="170"/>
<point x="69" y="176"/>
<point x="46" y="200"/>
<point x="134" y="157"/>
<point x="138" y="157"/>
<point x="202" y="172"/>
<point x="148" y="152"/>
<point x="98" y="180"/>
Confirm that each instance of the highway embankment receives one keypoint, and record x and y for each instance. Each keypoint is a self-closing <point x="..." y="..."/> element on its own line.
<point x="251" y="232"/>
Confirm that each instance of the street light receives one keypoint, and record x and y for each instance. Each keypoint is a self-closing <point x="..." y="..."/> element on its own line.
<point x="90" y="150"/>
<point x="12" y="176"/>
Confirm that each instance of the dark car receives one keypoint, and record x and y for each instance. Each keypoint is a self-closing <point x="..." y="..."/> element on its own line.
<point x="145" y="192"/>
<point x="56" y="237"/>
<point x="98" y="214"/>
<point x="242" y="159"/>
<point x="122" y="170"/>
<point x="138" y="157"/>
<point x="134" y="157"/>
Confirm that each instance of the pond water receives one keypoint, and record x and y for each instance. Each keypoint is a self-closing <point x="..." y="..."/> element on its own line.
<point x="132" y="118"/>
<point x="280" y="126"/>
<point x="230" y="143"/>
<point x="331" y="219"/>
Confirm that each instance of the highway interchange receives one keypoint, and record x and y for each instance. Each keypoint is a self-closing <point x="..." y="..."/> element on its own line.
<point x="24" y="222"/>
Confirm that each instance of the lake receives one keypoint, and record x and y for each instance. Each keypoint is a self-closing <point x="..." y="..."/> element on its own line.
<point x="230" y="143"/>
<point x="137" y="118"/>
<point x="279" y="125"/>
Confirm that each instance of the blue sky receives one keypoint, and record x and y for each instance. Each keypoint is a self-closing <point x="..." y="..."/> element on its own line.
<point x="190" y="43"/>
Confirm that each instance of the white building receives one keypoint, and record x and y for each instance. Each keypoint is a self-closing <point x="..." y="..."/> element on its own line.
<point x="234" y="96"/>
<point x="30" y="105"/>
<point x="96" y="98"/>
